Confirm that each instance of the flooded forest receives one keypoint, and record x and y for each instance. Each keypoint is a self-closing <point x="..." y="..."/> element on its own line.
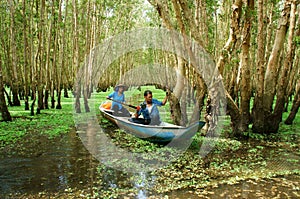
<point x="76" y="77"/>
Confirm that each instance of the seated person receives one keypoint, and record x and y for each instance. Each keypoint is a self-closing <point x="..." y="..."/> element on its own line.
<point x="118" y="96"/>
<point x="149" y="110"/>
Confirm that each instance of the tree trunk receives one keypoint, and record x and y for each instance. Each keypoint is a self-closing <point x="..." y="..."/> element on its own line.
<point x="224" y="58"/>
<point x="295" y="107"/>
<point x="26" y="57"/>
<point x="46" y="99"/>
<point x="64" y="41"/>
<point x="41" y="64"/>
<point x="232" y="87"/>
<point x="292" y="81"/>
<point x="66" y="95"/>
<point x="175" y="105"/>
<point x="48" y="68"/>
<point x="163" y="11"/>
<point x="3" y="107"/>
<point x="245" y="68"/>
<point x="52" y="95"/>
<point x="15" y="80"/>
<point x="187" y="16"/>
<point x="40" y="93"/>
<point x="58" y="105"/>
<point x="258" y="108"/>
<point x="60" y="66"/>
<point x="33" y="101"/>
<point x="235" y="116"/>
<point x="233" y="36"/>
<point x="201" y="25"/>
<point x="201" y="91"/>
<point x="271" y="26"/>
<point x="31" y="58"/>
<point x="287" y="65"/>
<point x="8" y="97"/>
<point x="77" y="89"/>
<point x="272" y="70"/>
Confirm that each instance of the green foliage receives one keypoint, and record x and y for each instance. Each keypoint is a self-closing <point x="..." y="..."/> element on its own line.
<point x="252" y="135"/>
<point x="50" y="122"/>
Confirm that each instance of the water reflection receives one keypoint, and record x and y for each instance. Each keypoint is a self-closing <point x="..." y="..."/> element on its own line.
<point x="61" y="165"/>
<point x="143" y="182"/>
<point x="65" y="164"/>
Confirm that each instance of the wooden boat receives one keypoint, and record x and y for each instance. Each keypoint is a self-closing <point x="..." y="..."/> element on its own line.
<point x="162" y="133"/>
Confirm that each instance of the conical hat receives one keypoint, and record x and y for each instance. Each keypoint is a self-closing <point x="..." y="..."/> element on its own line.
<point x="121" y="85"/>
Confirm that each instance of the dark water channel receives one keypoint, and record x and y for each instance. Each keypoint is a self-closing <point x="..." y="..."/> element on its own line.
<point x="54" y="166"/>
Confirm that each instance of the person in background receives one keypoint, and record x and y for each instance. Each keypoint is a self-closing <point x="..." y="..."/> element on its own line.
<point x="118" y="96"/>
<point x="149" y="109"/>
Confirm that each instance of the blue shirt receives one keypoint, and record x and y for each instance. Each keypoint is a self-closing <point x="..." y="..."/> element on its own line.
<point x="120" y="98"/>
<point x="153" y="114"/>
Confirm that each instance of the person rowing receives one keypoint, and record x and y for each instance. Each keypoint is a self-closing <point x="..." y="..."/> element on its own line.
<point x="118" y="98"/>
<point x="149" y="110"/>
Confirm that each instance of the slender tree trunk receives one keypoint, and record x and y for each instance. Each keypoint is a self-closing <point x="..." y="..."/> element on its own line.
<point x="46" y="99"/>
<point x="270" y="15"/>
<point x="48" y="54"/>
<point x="178" y="91"/>
<point x="36" y="61"/>
<point x="201" y="92"/>
<point x="26" y="57"/>
<point x="8" y="97"/>
<point x="40" y="86"/>
<point x="15" y="80"/>
<point x="184" y="116"/>
<point x="31" y="58"/>
<point x="3" y="107"/>
<point x="33" y="101"/>
<point x="66" y="95"/>
<point x="292" y="80"/>
<point x="232" y="108"/>
<point x="187" y="16"/>
<point x="233" y="36"/>
<point x="59" y="67"/>
<point x="64" y="45"/>
<point x="175" y="105"/>
<point x="52" y="95"/>
<point x="77" y="91"/>
<point x="258" y="108"/>
<point x="295" y="106"/>
<point x="53" y="72"/>
<point x="232" y="87"/>
<point x="235" y="115"/>
<point x="245" y="67"/>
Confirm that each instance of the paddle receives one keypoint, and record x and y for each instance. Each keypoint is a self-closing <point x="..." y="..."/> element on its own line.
<point x="131" y="106"/>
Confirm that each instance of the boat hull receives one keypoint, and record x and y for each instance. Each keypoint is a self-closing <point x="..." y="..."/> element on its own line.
<point x="162" y="133"/>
